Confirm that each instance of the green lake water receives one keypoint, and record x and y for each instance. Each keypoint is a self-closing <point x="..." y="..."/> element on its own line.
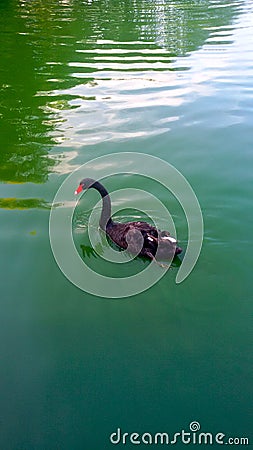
<point x="83" y="79"/>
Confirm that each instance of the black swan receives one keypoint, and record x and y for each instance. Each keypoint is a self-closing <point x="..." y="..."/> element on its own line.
<point x="139" y="238"/>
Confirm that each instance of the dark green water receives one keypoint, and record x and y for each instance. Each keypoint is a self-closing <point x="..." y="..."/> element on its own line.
<point x="81" y="79"/>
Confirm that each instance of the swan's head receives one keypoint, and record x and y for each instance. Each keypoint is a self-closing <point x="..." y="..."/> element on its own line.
<point x="86" y="183"/>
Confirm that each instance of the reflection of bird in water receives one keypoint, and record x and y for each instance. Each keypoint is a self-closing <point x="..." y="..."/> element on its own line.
<point x="138" y="238"/>
<point x="87" y="250"/>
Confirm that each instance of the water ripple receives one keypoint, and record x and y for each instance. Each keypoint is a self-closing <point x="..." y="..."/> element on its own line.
<point x="91" y="80"/>
<point x="137" y="88"/>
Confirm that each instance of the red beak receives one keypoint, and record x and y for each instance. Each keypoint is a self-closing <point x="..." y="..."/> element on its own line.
<point x="79" y="189"/>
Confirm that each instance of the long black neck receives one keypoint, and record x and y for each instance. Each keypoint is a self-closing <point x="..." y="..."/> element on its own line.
<point x="105" y="218"/>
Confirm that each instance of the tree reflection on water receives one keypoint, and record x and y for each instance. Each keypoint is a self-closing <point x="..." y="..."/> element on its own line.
<point x="41" y="40"/>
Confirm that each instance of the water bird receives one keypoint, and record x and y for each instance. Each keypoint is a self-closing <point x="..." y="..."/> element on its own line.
<point x="139" y="238"/>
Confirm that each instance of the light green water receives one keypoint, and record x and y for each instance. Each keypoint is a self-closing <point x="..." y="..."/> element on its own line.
<point x="82" y="79"/>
